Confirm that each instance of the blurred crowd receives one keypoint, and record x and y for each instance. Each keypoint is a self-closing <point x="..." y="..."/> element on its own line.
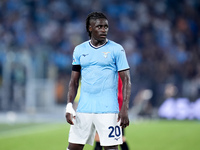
<point x="161" y="39"/>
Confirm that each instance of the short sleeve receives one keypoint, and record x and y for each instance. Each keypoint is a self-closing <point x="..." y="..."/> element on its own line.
<point x="76" y="57"/>
<point x="121" y="60"/>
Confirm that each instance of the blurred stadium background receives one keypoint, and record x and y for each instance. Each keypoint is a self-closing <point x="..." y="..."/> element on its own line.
<point x="37" y="38"/>
<point x="161" y="39"/>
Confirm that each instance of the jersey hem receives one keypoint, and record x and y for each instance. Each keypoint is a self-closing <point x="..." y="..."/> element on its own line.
<point x="111" y="112"/>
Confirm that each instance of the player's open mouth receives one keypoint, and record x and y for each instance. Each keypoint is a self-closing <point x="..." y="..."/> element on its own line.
<point x="103" y="35"/>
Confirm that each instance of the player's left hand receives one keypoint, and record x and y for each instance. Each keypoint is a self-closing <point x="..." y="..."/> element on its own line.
<point x="123" y="117"/>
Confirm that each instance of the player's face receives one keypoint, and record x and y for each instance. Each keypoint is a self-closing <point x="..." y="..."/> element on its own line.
<point x="99" y="29"/>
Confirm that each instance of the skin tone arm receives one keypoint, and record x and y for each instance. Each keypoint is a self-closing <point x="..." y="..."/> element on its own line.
<point x="73" y="87"/>
<point x="126" y="90"/>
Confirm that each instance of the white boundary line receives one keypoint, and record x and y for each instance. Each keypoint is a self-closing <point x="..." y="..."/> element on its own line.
<point x="38" y="128"/>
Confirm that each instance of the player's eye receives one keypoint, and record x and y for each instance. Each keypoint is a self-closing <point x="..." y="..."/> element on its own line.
<point x="106" y="27"/>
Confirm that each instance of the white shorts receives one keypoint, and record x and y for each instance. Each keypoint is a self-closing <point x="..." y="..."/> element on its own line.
<point x="86" y="124"/>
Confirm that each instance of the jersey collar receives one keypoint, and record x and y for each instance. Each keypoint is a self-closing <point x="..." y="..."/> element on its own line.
<point x="96" y="47"/>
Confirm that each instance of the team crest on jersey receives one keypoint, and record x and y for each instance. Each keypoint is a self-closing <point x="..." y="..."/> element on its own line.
<point x="105" y="54"/>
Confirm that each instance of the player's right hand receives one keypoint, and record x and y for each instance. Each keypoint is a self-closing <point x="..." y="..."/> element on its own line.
<point x="70" y="113"/>
<point x="69" y="118"/>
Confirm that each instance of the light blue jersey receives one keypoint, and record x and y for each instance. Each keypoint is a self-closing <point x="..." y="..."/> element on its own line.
<point x="99" y="76"/>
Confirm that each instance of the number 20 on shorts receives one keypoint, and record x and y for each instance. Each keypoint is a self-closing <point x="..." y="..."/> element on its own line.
<point x="114" y="131"/>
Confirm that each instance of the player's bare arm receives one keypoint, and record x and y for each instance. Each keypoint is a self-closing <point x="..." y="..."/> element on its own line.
<point x="73" y="87"/>
<point x="126" y="90"/>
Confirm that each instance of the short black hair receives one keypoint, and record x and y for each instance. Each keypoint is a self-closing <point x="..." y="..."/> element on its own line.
<point x="93" y="15"/>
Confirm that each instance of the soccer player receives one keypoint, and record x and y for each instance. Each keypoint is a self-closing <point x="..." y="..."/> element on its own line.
<point x="98" y="61"/>
<point x="124" y="145"/>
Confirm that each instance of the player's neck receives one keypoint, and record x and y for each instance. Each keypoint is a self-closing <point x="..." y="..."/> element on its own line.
<point x="97" y="44"/>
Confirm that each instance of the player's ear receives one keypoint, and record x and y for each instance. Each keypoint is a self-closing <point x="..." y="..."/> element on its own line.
<point x="90" y="28"/>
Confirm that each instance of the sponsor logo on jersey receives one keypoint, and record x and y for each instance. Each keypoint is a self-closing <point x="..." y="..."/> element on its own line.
<point x="84" y="55"/>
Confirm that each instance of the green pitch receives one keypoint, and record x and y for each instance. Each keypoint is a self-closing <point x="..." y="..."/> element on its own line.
<point x="146" y="135"/>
